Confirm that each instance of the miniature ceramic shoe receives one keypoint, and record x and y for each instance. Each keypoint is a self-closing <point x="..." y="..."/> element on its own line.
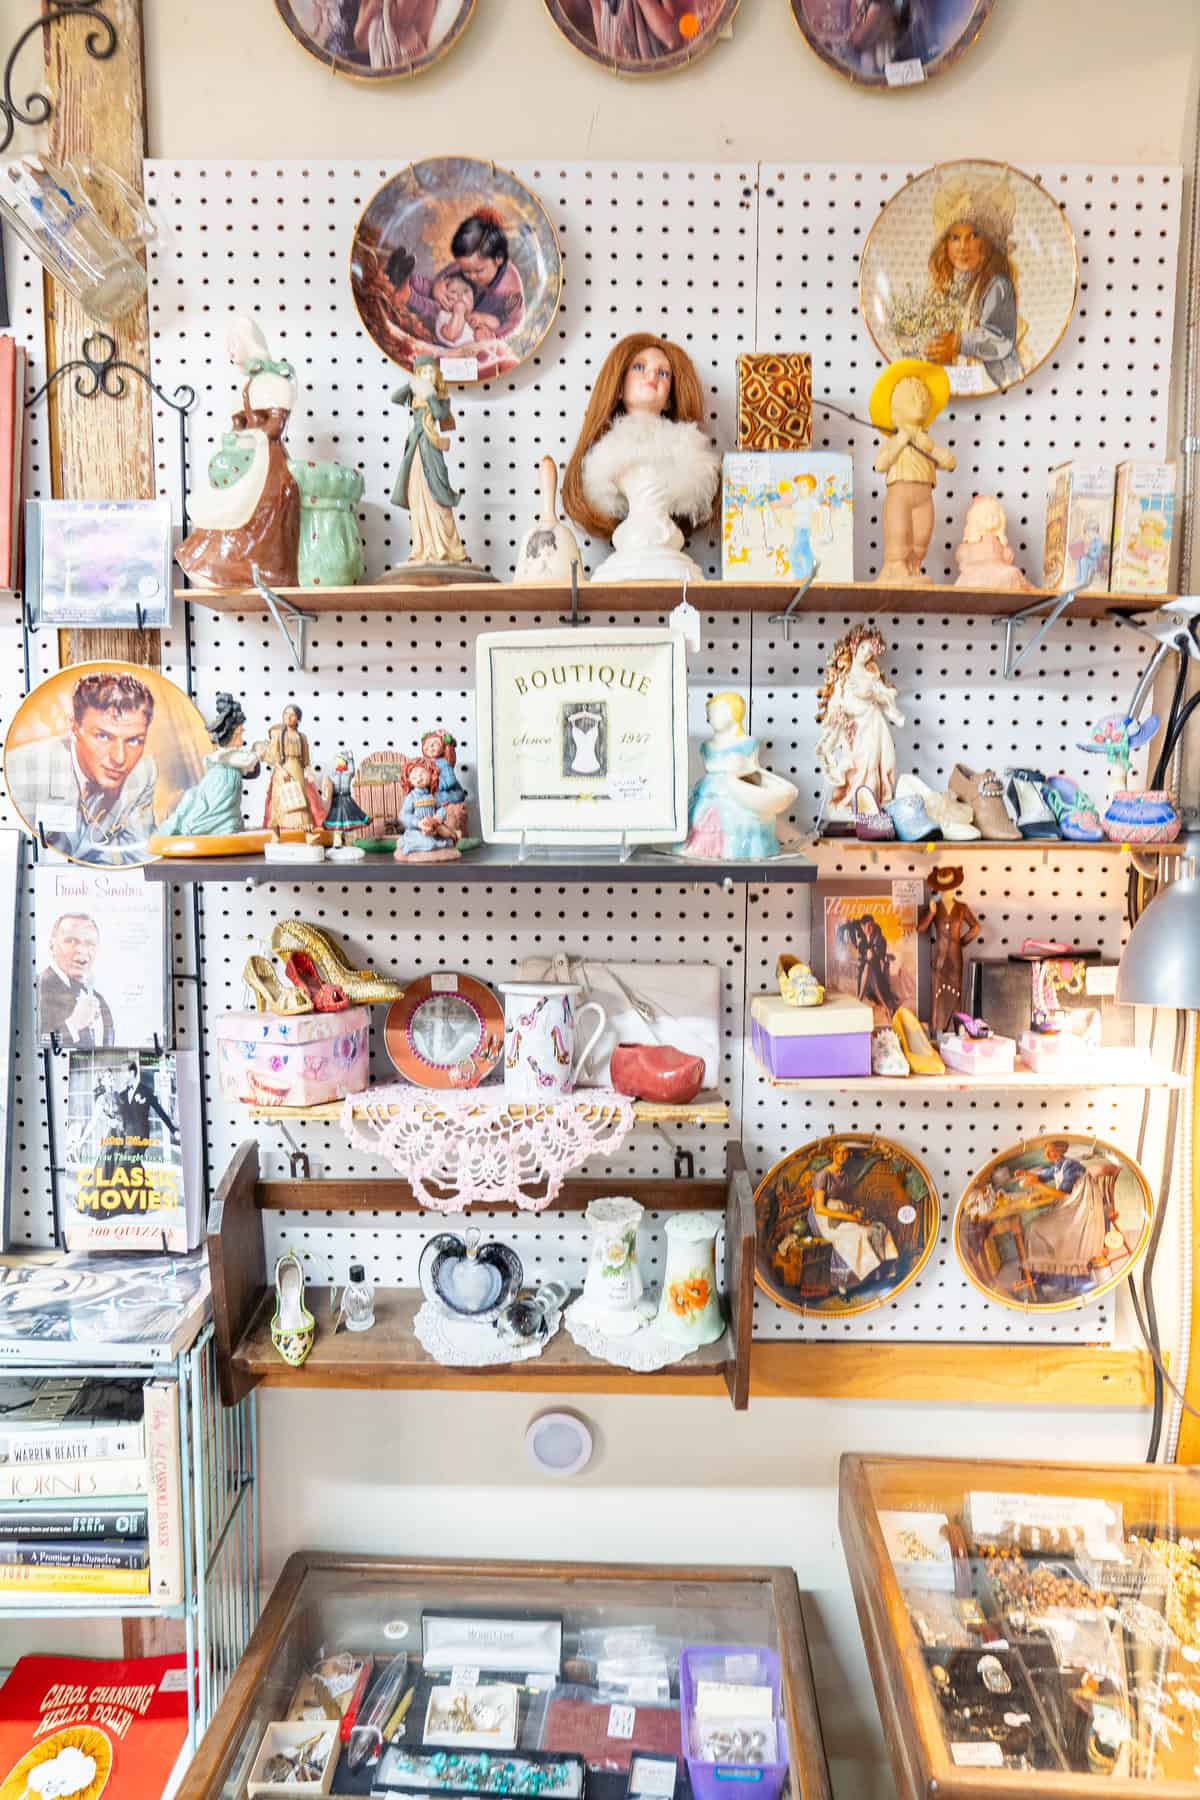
<point x="950" y="816"/>
<point x="362" y="987"/>
<point x="966" y="1026"/>
<point x="919" y="1052"/>
<point x="913" y="824"/>
<point x="870" y="822"/>
<point x="887" y="1056"/>
<point x="1147" y="818"/>
<point x="293" y="1327"/>
<point x="985" y="796"/>
<point x="797" y="983"/>
<point x="270" y="994"/>
<point x="301" y="971"/>
<point x="1025" y="792"/>
<point x="1077" y="817"/>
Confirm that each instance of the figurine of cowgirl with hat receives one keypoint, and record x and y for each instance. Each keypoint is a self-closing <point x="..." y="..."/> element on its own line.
<point x="905" y="401"/>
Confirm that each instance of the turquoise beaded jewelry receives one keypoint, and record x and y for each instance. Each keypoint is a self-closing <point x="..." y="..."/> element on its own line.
<point x="484" y="1774"/>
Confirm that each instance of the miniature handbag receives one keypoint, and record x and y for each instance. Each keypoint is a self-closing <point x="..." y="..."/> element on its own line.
<point x="645" y="1003"/>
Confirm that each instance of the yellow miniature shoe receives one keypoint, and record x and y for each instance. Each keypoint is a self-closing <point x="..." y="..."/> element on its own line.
<point x="919" y="1052"/>
<point x="362" y="987"/>
<point x="293" y="1326"/>
<point x="797" y="983"/>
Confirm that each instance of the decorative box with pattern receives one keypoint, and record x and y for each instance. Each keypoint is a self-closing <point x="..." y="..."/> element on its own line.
<point x="774" y="400"/>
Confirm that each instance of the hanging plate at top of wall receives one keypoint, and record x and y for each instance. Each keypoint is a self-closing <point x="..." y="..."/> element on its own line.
<point x="369" y="42"/>
<point x="878" y="45"/>
<point x="631" y="37"/>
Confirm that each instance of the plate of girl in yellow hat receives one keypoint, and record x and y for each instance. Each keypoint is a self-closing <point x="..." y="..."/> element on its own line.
<point x="972" y="266"/>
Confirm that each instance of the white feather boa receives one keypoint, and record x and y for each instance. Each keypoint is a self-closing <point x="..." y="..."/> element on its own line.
<point x="680" y="455"/>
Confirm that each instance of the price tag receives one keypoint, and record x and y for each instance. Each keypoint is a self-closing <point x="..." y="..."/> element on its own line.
<point x="907" y="893"/>
<point x="628" y="787"/>
<point x="967" y="378"/>
<point x="977" y="1756"/>
<point x="460" y="368"/>
<point x="443" y="984"/>
<point x="907" y="1215"/>
<point x="620" y="1721"/>
<point x="463" y="1677"/>
<point x="909" y="73"/>
<point x="653" y="1776"/>
<point x="174" y="1682"/>
<point x="685" y="618"/>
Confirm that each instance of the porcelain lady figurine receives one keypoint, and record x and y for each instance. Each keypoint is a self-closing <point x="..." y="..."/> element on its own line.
<point x="734" y="807"/>
<point x="688" y="1309"/>
<point x="293" y="804"/>
<point x="905" y="401"/>
<point x="855" y="708"/>
<point x="612" y="1299"/>
<point x="207" y="819"/>
<point x="426" y="833"/>
<point x="951" y="926"/>
<point x="643" y="463"/>
<point x="343" y="813"/>
<point x="985" y="557"/>
<point x="423" y="488"/>
<point x="246" y="515"/>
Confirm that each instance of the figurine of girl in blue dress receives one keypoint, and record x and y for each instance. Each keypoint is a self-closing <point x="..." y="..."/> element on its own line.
<point x="209" y="815"/>
<point x="427" y="832"/>
<point x="734" y="807"/>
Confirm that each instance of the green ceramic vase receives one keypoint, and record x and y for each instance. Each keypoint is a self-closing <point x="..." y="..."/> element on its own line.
<point x="331" y="553"/>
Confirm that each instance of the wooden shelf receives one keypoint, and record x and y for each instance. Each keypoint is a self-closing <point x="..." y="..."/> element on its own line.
<point x="991" y="846"/>
<point x="1019" y="1083"/>
<point x="500" y="598"/>
<point x="705" y="1109"/>
<point x="493" y="864"/>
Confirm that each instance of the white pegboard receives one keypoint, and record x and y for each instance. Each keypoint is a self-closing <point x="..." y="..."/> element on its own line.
<point x="721" y="258"/>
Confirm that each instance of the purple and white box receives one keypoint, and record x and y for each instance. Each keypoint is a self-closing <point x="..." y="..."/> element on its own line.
<point x="805" y="1042"/>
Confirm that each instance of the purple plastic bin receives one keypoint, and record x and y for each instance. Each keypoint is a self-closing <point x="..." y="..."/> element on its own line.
<point x="748" y="1663"/>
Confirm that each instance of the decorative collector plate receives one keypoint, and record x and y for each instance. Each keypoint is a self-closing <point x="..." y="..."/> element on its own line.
<point x="376" y="40"/>
<point x="971" y="265"/>
<point x="445" y="1031"/>
<point x="455" y="258"/>
<point x="642" y="37"/>
<point x="98" y="755"/>
<point x="1053" y="1223"/>
<point x="844" y="1224"/>
<point x="878" y="44"/>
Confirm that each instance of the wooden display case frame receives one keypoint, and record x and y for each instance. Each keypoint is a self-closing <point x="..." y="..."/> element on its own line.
<point x="389" y="1355"/>
<point x="911" y="1717"/>
<point x="223" y="1741"/>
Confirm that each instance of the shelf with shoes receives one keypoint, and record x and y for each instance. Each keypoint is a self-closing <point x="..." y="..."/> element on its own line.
<point x="494" y="864"/>
<point x="1018" y="1083"/>
<point x="1023" y="846"/>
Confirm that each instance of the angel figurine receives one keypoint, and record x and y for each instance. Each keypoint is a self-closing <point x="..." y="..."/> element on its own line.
<point x="246" y="514"/>
<point x="643" y="463"/>
<point x="423" y="488"/>
<point x="855" y="707"/>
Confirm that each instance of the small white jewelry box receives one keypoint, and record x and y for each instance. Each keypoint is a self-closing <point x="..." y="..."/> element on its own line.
<point x="478" y="1718"/>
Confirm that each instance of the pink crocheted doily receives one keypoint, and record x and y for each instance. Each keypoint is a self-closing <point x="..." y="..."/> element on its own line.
<point x="459" y="1149"/>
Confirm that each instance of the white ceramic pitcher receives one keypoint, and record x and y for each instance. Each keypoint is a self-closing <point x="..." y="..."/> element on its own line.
<point x="541" y="1023"/>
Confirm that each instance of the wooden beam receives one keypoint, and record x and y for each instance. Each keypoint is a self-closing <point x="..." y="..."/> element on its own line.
<point x="100" y="449"/>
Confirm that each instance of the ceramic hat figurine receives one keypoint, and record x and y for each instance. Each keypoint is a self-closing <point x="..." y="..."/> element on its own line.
<point x="856" y="705"/>
<point x="548" y="549"/>
<point x="246" y="515"/>
<point x="985" y="557"/>
<point x="734" y="808"/>
<point x="905" y="401"/>
<point x="207" y="819"/>
<point x="643" y="463"/>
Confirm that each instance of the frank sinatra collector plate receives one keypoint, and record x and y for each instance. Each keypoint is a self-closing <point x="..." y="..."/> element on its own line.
<point x="642" y="37"/>
<point x="1053" y="1223"/>
<point x="376" y="40"/>
<point x="457" y="259"/>
<point x="971" y="265"/>
<point x="882" y="44"/>
<point x="845" y="1223"/>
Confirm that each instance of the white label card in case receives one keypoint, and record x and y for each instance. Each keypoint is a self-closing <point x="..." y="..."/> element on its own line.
<point x="463" y="1677"/>
<point x="620" y="1721"/>
<point x="539" y="1681"/>
<point x="977" y="1756"/>
<point x="443" y="984"/>
<point x="652" y="1777"/>
<point x="741" y="1668"/>
<point x="460" y="368"/>
<point x="904" y="74"/>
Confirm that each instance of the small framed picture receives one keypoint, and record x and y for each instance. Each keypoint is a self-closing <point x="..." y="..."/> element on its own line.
<point x="98" y="562"/>
<point x="865" y="943"/>
<point x="582" y="736"/>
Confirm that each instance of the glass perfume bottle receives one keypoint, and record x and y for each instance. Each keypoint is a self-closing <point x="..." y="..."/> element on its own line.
<point x="358" y="1300"/>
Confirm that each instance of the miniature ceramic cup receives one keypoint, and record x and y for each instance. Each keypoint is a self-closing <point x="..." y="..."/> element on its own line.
<point x="540" y="1020"/>
<point x="689" y="1311"/>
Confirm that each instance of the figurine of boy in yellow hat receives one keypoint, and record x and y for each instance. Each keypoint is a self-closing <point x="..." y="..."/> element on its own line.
<point x="905" y="401"/>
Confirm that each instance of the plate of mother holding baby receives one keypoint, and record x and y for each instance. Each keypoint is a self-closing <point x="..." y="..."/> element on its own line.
<point x="457" y="259"/>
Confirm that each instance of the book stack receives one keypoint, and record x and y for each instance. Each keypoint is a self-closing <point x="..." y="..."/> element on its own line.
<point x="90" y="1493"/>
<point x="12" y="435"/>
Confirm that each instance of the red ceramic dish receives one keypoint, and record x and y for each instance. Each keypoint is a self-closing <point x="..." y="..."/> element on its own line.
<point x="656" y="1072"/>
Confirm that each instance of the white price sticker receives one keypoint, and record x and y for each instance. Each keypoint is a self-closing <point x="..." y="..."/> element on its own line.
<point x="174" y="1682"/>
<point x="908" y="73"/>
<point x="628" y="787"/>
<point x="653" y="1777"/>
<point x="620" y="1721"/>
<point x="907" y="1215"/>
<point x="908" y="893"/>
<point x="443" y="984"/>
<point x="463" y="1677"/>
<point x="460" y="368"/>
<point x="977" y="1756"/>
<point x="967" y="378"/>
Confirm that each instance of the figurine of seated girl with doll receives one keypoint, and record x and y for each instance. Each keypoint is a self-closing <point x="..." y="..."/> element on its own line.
<point x="433" y="812"/>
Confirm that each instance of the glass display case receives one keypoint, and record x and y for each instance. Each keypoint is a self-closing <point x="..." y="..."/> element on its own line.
<point x="1029" y="1627"/>
<point x="551" y="1680"/>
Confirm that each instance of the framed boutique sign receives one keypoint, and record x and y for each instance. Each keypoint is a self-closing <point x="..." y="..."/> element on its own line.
<point x="582" y="736"/>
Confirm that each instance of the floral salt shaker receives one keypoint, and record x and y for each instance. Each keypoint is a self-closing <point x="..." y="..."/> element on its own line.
<point x="689" y="1311"/>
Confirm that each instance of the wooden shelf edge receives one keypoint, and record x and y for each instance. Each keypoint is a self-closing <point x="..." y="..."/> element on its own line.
<point x="989" y="846"/>
<point x="953" y="1374"/>
<point x="705" y="1109"/>
<point x="924" y="1087"/>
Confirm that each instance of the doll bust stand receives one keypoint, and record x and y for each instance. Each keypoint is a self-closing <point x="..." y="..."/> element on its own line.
<point x="647" y="545"/>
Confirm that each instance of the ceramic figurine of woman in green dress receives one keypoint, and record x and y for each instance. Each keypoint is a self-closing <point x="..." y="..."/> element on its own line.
<point x="423" y="488"/>
<point x="207" y="819"/>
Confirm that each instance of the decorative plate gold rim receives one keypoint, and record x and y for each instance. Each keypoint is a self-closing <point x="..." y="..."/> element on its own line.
<point x="374" y="77"/>
<point x="851" y="1137"/>
<point x="981" y="14"/>
<point x="670" y="64"/>
<point x="1056" y="1306"/>
<point x="977" y="162"/>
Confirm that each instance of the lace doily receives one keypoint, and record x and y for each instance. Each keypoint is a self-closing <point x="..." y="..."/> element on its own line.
<point x="644" y="1352"/>
<point x="473" y="1146"/>
<point x="466" y="1344"/>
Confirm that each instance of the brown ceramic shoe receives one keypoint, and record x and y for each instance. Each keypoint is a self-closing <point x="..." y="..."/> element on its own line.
<point x="985" y="796"/>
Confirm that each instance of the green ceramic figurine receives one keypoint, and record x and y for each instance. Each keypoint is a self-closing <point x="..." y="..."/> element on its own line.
<point x="331" y="553"/>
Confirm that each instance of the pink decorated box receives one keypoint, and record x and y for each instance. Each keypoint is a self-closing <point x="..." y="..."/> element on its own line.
<point x="993" y="1055"/>
<point x="265" y="1060"/>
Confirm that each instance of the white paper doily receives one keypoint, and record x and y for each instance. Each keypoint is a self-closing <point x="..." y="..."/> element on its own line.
<point x="644" y="1352"/>
<point x="467" y="1344"/>
<point x="480" y="1147"/>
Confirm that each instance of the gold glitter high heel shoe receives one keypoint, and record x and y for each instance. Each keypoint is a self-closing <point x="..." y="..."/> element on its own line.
<point x="270" y="994"/>
<point x="362" y="987"/>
